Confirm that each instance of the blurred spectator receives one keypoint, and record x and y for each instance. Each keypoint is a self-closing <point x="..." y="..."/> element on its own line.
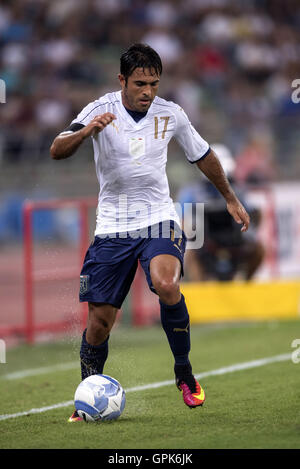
<point x="162" y="14"/>
<point x="255" y="164"/>
<point x="51" y="112"/>
<point x="165" y="43"/>
<point x="59" y="51"/>
<point x="217" y="27"/>
<point x="257" y="59"/>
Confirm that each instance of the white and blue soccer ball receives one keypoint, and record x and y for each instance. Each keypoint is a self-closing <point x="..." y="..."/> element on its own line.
<point x="99" y="397"/>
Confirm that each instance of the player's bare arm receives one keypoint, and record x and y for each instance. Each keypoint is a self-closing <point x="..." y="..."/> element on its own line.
<point x="212" y="168"/>
<point x="65" y="146"/>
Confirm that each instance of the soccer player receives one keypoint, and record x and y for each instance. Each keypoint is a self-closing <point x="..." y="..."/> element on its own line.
<point x="136" y="218"/>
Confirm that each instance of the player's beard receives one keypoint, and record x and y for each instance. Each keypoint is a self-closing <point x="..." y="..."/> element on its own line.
<point x="133" y="103"/>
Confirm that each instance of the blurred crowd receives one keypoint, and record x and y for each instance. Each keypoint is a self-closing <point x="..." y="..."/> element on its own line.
<point x="229" y="63"/>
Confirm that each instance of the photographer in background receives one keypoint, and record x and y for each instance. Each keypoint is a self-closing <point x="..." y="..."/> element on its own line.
<point x="227" y="253"/>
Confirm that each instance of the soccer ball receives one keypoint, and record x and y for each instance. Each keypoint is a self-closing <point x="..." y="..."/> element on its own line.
<point x="99" y="397"/>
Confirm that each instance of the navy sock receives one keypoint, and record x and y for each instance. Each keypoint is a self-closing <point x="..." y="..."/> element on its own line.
<point x="92" y="357"/>
<point x="176" y="324"/>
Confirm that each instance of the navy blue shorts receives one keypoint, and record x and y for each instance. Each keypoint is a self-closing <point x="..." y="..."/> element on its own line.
<point x="110" y="263"/>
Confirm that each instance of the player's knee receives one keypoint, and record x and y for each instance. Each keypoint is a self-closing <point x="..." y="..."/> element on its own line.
<point x="168" y="290"/>
<point x="99" y="326"/>
<point x="99" y="329"/>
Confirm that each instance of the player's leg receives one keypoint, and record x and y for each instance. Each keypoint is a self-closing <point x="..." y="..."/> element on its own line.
<point x="94" y="342"/>
<point x="165" y="272"/>
<point x="162" y="261"/>
<point x="108" y="271"/>
<point x="94" y="345"/>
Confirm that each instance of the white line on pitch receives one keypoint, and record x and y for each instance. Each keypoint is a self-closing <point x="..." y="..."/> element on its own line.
<point x="40" y="371"/>
<point x="217" y="372"/>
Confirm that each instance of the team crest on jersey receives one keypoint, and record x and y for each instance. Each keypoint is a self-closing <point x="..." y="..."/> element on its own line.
<point x="84" y="284"/>
<point x="137" y="147"/>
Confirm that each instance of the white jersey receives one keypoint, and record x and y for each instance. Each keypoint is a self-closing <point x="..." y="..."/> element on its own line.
<point x="130" y="159"/>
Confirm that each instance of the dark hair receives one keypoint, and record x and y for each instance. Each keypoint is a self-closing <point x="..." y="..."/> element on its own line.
<point x="139" y="55"/>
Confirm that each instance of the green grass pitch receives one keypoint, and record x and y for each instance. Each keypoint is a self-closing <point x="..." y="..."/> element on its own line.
<point x="251" y="408"/>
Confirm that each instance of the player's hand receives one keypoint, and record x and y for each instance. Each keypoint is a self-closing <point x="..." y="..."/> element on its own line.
<point x="240" y="215"/>
<point x="98" y="124"/>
